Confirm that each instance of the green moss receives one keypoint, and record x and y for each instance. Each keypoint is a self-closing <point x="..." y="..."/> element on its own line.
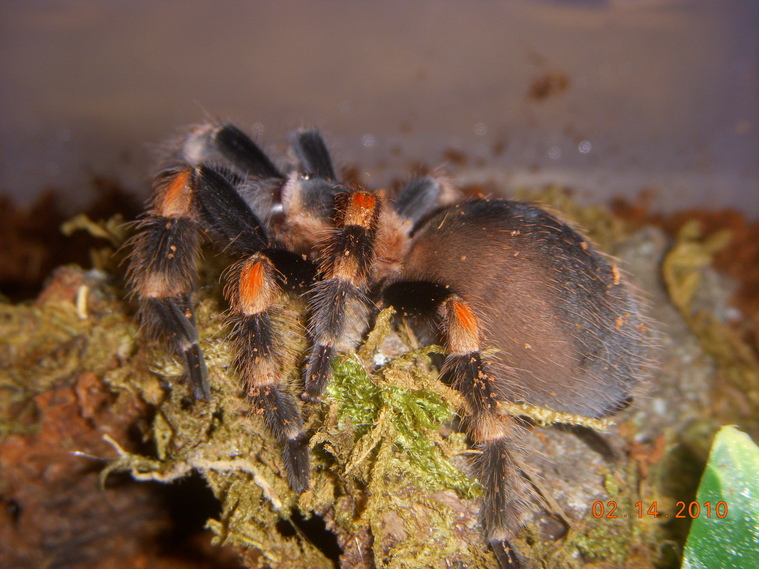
<point x="409" y="417"/>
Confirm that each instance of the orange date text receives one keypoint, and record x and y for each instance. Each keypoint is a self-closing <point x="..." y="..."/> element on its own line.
<point x="691" y="510"/>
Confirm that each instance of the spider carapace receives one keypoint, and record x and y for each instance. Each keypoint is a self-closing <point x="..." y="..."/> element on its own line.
<point x="488" y="273"/>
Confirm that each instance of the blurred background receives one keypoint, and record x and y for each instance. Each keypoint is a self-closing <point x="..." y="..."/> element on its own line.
<point x="609" y="97"/>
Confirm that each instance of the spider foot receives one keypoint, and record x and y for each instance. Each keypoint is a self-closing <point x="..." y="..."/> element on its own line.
<point x="197" y="373"/>
<point x="297" y="463"/>
<point x="505" y="554"/>
<point x="318" y="372"/>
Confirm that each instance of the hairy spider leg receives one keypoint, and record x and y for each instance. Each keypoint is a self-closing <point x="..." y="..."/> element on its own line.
<point x="494" y="435"/>
<point x="419" y="198"/>
<point x="162" y="270"/>
<point x="255" y="284"/>
<point x="349" y="254"/>
<point x="223" y="143"/>
<point x="187" y="198"/>
<point x="236" y="147"/>
<point x="253" y="291"/>
<point x="313" y="154"/>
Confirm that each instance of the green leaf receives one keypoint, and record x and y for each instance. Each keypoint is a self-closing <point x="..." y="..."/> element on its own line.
<point x="729" y="536"/>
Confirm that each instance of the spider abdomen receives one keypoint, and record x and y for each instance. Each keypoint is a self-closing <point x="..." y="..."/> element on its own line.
<point x="568" y="331"/>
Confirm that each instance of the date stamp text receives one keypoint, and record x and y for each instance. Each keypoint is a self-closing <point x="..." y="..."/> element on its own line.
<point x="690" y="510"/>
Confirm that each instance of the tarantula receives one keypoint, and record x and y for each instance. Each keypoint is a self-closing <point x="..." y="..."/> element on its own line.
<point x="486" y="272"/>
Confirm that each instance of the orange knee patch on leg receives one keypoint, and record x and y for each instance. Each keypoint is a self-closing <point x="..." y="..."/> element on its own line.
<point x="463" y="330"/>
<point x="255" y="288"/>
<point x="176" y="198"/>
<point x="361" y="210"/>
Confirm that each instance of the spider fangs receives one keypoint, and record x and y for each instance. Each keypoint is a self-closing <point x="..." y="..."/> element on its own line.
<point x="488" y="273"/>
